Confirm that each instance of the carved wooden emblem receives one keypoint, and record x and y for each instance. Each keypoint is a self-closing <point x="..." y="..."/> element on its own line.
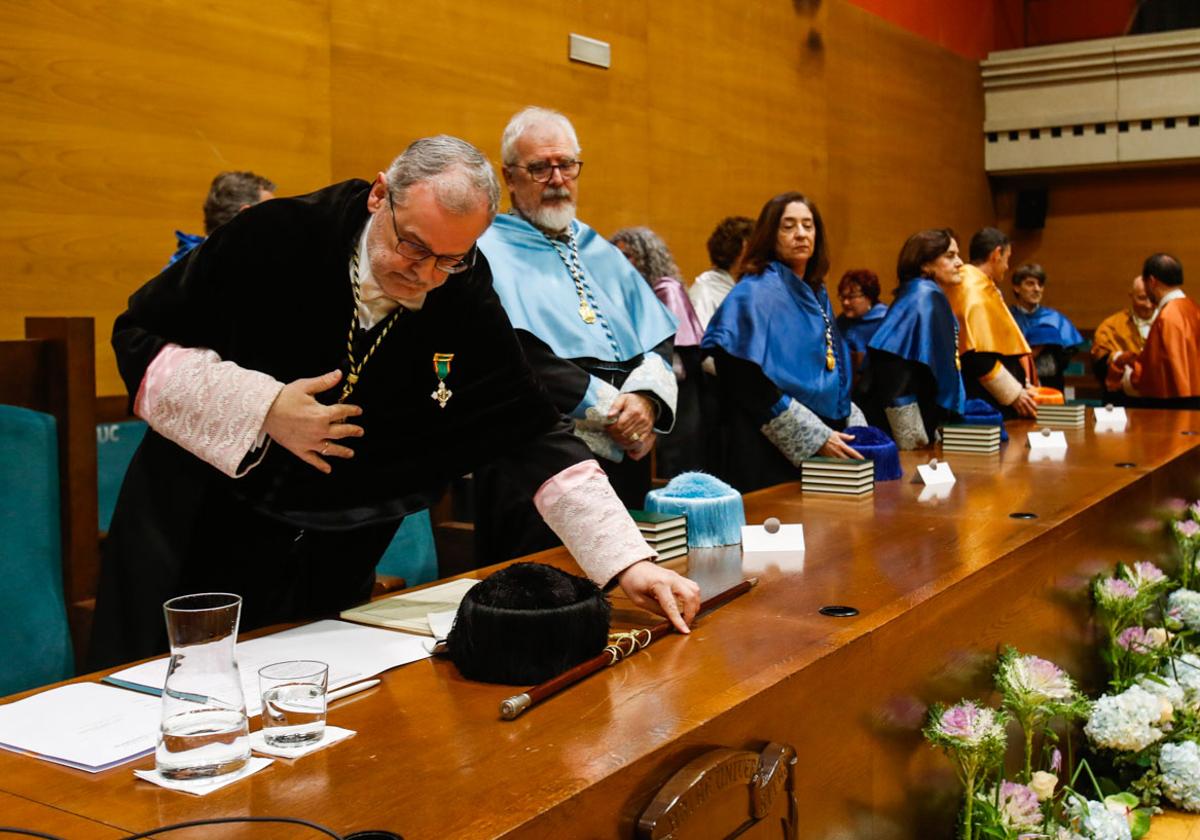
<point x="726" y="793"/>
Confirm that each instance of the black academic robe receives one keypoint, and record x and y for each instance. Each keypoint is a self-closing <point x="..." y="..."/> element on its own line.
<point x="270" y="291"/>
<point x="976" y="364"/>
<point x="886" y="378"/>
<point x="747" y="395"/>
<point x="506" y="523"/>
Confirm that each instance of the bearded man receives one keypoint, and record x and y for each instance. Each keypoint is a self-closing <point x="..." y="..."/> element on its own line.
<point x="593" y="330"/>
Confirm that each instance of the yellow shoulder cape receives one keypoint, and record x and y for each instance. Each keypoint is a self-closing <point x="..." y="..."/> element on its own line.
<point x="984" y="322"/>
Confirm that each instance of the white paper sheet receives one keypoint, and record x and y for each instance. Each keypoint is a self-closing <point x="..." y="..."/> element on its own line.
<point x="352" y="651"/>
<point x="85" y="725"/>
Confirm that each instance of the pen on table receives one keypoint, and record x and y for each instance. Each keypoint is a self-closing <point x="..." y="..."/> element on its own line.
<point x="351" y="689"/>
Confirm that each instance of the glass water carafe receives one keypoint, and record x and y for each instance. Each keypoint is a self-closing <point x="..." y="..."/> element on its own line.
<point x="204" y="730"/>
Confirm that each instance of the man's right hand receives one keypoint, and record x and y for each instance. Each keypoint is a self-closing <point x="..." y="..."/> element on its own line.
<point x="309" y="429"/>
<point x="1025" y="405"/>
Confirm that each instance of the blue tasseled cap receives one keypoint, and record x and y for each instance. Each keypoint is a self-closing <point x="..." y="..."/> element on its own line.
<point x="875" y="445"/>
<point x="714" y="511"/>
<point x="979" y="412"/>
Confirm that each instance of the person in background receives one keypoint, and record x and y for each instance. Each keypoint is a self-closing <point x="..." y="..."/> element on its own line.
<point x="726" y="247"/>
<point x="726" y="244"/>
<point x="679" y="451"/>
<point x="862" y="313"/>
<point x="599" y="339"/>
<point x="911" y="382"/>
<point x="783" y="369"/>
<point x="1052" y="337"/>
<point x="997" y="363"/>
<point x="1123" y="331"/>
<point x="229" y="194"/>
<point x="1166" y="372"/>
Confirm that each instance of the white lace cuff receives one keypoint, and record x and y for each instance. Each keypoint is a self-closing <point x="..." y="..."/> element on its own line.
<point x="908" y="427"/>
<point x="211" y="408"/>
<point x="1002" y="385"/>
<point x="657" y="377"/>
<point x="581" y="507"/>
<point x="797" y="432"/>
<point x="857" y="418"/>
<point x="592" y="428"/>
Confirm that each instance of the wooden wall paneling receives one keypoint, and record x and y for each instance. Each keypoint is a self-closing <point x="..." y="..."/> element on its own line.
<point x="473" y="66"/>
<point x="1100" y="227"/>
<point x="905" y="150"/>
<point x="117" y="116"/>
<point x="738" y="114"/>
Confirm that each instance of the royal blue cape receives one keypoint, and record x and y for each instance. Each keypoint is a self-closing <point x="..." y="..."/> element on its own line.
<point x="774" y="320"/>
<point x="1046" y="326"/>
<point x="185" y="242"/>
<point x="920" y="327"/>
<point x="858" y="331"/>
<point x="539" y="296"/>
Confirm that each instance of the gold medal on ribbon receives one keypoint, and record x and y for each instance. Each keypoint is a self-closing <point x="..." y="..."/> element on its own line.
<point x="441" y="368"/>
<point x="830" y="359"/>
<point x="586" y="312"/>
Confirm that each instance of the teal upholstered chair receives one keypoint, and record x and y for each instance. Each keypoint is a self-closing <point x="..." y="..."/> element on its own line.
<point x="411" y="554"/>
<point x="115" y="445"/>
<point x="35" y="642"/>
<point x="48" y="534"/>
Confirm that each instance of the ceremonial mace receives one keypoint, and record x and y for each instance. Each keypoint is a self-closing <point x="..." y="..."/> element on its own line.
<point x="620" y="646"/>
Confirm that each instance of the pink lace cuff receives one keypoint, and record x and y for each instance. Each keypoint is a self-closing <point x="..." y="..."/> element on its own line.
<point x="211" y="408"/>
<point x="581" y="507"/>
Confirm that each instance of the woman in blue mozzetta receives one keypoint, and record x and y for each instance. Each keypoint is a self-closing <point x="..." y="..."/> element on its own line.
<point x="911" y="383"/>
<point x="783" y="367"/>
<point x="862" y="313"/>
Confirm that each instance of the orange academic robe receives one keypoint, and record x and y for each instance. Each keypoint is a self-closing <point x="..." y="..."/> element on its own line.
<point x="1169" y="365"/>
<point x="1116" y="332"/>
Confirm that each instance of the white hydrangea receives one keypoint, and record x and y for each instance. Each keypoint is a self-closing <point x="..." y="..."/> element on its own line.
<point x="1180" y="768"/>
<point x="1186" y="669"/>
<point x="1127" y="721"/>
<point x="1092" y="820"/>
<point x="1184" y="605"/>
<point x="1165" y="687"/>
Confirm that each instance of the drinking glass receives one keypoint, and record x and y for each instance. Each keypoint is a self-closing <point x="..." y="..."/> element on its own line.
<point x="204" y="730"/>
<point x="293" y="702"/>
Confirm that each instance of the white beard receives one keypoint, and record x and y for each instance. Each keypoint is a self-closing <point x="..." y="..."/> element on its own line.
<point x="552" y="218"/>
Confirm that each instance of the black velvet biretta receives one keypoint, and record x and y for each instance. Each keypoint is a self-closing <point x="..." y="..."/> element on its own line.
<point x="526" y="623"/>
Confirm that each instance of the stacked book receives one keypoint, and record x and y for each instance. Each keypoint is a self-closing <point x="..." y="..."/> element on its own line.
<point x="971" y="438"/>
<point x="665" y="532"/>
<point x="837" y="475"/>
<point x="1063" y="416"/>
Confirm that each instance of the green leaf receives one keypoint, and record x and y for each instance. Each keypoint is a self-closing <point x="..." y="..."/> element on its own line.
<point x="1140" y="823"/>
<point x="1124" y="799"/>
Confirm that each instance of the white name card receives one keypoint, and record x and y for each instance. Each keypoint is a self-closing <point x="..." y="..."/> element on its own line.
<point x="935" y="493"/>
<point x="756" y="538"/>
<point x="936" y="473"/>
<point x="1110" y="417"/>
<point x="1047" y="439"/>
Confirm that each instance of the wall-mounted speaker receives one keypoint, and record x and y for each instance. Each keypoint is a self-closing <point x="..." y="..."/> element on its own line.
<point x="1031" y="209"/>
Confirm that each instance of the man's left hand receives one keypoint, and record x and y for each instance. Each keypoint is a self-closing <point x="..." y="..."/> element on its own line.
<point x="663" y="591"/>
<point x="631" y="419"/>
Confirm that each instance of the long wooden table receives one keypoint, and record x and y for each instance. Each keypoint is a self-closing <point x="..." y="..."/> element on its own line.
<point x="940" y="585"/>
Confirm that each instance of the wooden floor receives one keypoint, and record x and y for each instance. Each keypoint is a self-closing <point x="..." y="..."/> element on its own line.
<point x="940" y="584"/>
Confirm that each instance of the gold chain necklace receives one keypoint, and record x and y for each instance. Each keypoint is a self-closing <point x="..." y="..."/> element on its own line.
<point x="575" y="269"/>
<point x="355" y="369"/>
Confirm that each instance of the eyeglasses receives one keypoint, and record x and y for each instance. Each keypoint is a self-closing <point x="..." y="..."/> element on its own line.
<point x="416" y="252"/>
<point x="542" y="172"/>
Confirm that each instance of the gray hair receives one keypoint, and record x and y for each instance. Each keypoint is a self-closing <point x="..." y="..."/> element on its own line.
<point x="460" y="174"/>
<point x="648" y="253"/>
<point x="526" y="119"/>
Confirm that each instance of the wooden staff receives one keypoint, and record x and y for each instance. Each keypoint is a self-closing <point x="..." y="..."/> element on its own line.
<point x="620" y="646"/>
